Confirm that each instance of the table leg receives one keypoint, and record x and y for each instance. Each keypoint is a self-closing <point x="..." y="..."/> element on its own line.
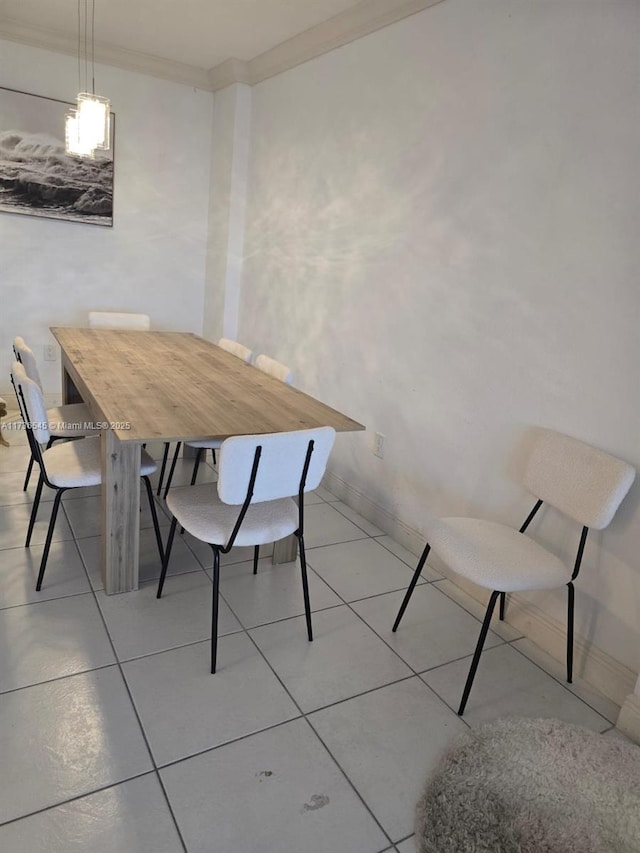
<point x="120" y="513"/>
<point x="70" y="393"/>
<point x="285" y="550"/>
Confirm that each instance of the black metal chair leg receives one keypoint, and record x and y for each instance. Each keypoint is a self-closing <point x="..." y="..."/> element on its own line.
<point x="570" y="611"/>
<point x="154" y="517"/>
<point x="414" y="581"/>
<point x="167" y="554"/>
<point x="214" y="608"/>
<point x="213" y="453"/>
<point x="503" y="602"/>
<point x="172" y="469"/>
<point x="28" y="475"/>
<point x="478" y="651"/>
<point x="47" y="544"/>
<point x="34" y="510"/>
<point x="256" y="557"/>
<point x="165" y="456"/>
<point x="196" y="465"/>
<point x="305" y="586"/>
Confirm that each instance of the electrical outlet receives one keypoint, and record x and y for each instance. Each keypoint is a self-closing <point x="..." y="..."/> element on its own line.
<point x="50" y="353"/>
<point x="378" y="445"/>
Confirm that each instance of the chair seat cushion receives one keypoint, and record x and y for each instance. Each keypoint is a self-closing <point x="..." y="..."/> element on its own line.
<point x="70" y="421"/>
<point x="495" y="556"/>
<point x="201" y="512"/>
<point x="205" y="444"/>
<point x="73" y="464"/>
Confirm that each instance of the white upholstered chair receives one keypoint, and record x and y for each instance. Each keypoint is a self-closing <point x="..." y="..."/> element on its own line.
<point x="235" y="348"/>
<point x="119" y="320"/>
<point x="241" y="352"/>
<point x="69" y="421"/>
<point x="71" y="465"/>
<point x="274" y="368"/>
<point x="584" y="483"/>
<point x="252" y="502"/>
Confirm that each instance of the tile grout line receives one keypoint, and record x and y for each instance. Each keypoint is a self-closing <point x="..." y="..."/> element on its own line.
<point x="398" y="655"/>
<point x="151" y="772"/>
<point x="557" y="680"/>
<point x="135" y="711"/>
<point x="308" y="722"/>
<point x="245" y="630"/>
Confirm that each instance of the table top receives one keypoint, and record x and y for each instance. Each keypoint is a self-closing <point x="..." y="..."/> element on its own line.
<point x="177" y="386"/>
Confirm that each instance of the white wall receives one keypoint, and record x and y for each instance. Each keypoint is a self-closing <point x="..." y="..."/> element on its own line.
<point x="153" y="259"/>
<point x="227" y="203"/>
<point x="442" y="241"/>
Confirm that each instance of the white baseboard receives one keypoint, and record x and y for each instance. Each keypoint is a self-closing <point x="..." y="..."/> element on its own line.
<point x="603" y="672"/>
<point x="403" y="534"/>
<point x="629" y="719"/>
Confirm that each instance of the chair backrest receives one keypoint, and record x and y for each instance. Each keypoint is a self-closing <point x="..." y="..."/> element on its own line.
<point x="281" y="464"/>
<point x="36" y="412"/>
<point x="25" y="356"/>
<point x="236" y="349"/>
<point x="274" y="368"/>
<point x="586" y="484"/>
<point x="119" y="320"/>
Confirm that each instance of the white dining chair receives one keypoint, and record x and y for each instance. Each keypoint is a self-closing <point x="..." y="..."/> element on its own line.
<point x="583" y="483"/>
<point x="235" y="348"/>
<point x="71" y="465"/>
<point x="213" y="444"/>
<point x="70" y="421"/>
<point x="274" y="368"/>
<point x="119" y="320"/>
<point x="252" y="502"/>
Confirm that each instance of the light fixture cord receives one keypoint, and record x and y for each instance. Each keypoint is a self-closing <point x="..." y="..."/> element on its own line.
<point x="86" y="48"/>
<point x="93" y="61"/>
<point x="79" y="52"/>
<point x="83" y="46"/>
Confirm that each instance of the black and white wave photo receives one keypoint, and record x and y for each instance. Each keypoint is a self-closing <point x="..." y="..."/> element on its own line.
<point x="37" y="176"/>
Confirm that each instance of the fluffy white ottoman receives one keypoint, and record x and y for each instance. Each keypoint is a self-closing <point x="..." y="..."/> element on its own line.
<point x="533" y="786"/>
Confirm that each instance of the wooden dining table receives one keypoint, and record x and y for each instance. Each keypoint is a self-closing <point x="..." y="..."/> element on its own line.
<point x="143" y="386"/>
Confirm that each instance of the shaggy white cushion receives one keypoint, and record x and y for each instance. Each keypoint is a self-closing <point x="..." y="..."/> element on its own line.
<point x="281" y="464"/>
<point x="496" y="556"/>
<point x="69" y="421"/>
<point x="236" y="349"/>
<point x="585" y="483"/>
<point x="34" y="401"/>
<point x="26" y="356"/>
<point x="119" y="320"/>
<point x="201" y="512"/>
<point x="532" y="786"/>
<point x="78" y="463"/>
<point x="60" y="418"/>
<point x="274" y="368"/>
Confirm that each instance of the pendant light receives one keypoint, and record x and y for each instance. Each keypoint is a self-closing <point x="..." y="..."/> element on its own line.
<point x="87" y="126"/>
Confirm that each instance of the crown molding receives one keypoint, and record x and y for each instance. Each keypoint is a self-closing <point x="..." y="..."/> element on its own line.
<point x="118" y="57"/>
<point x="361" y="20"/>
<point x="229" y="72"/>
<point x="364" y="18"/>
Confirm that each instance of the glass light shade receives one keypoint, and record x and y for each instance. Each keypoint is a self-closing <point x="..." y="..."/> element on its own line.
<point x="75" y="142"/>
<point x="94" y="118"/>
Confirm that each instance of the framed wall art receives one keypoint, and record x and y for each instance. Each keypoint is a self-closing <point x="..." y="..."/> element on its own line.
<point x="37" y="176"/>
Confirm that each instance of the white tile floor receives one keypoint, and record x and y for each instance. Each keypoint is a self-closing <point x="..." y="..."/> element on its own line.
<point x="115" y="738"/>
